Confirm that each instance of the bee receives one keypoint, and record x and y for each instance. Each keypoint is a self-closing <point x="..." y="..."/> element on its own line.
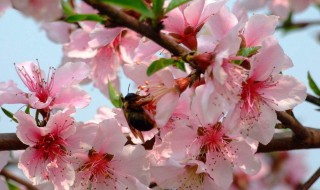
<point x="137" y="119"/>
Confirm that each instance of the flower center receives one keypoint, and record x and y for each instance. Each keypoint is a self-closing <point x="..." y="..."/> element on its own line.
<point x="98" y="165"/>
<point x="51" y="146"/>
<point x="36" y="83"/>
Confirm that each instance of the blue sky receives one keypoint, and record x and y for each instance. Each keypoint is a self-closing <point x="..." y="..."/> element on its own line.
<point x="22" y="39"/>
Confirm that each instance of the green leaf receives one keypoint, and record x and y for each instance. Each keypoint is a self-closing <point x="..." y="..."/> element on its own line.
<point x="180" y="65"/>
<point x="9" y="114"/>
<point x="67" y="8"/>
<point x="248" y="51"/>
<point x="136" y="5"/>
<point x="313" y="85"/>
<point x="82" y="17"/>
<point x="114" y="96"/>
<point x="12" y="186"/>
<point x="162" y="63"/>
<point x="157" y="8"/>
<point x="174" y="4"/>
<point x="27" y="111"/>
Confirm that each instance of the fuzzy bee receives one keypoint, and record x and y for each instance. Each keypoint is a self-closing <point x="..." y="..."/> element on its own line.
<point x="138" y="120"/>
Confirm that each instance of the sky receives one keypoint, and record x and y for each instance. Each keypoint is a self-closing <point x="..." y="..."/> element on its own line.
<point x="22" y="39"/>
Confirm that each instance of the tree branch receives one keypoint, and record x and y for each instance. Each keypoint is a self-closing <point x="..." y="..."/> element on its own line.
<point x="313" y="179"/>
<point x="280" y="142"/>
<point x="300" y="131"/>
<point x="312" y="99"/>
<point x="10" y="141"/>
<point x="288" y="141"/>
<point x="18" y="179"/>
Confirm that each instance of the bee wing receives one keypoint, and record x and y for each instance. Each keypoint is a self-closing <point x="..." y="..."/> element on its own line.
<point x="136" y="133"/>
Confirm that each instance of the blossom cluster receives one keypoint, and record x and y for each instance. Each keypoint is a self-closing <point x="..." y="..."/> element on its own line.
<point x="206" y="121"/>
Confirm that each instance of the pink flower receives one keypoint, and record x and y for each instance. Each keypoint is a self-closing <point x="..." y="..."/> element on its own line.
<point x="186" y="21"/>
<point x="41" y="10"/>
<point x="110" y="164"/>
<point x="280" y="8"/>
<point x="57" y="91"/>
<point x="180" y="175"/>
<point x="50" y="147"/>
<point x="266" y="91"/>
<point x="161" y="87"/>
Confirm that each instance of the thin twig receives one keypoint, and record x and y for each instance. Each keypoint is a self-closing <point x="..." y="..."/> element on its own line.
<point x="299" y="130"/>
<point x="312" y="99"/>
<point x="285" y="141"/>
<point x="311" y="181"/>
<point x="8" y="174"/>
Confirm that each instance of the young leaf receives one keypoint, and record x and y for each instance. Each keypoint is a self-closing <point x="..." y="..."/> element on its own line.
<point x="248" y="51"/>
<point x="162" y="63"/>
<point x="27" y="111"/>
<point x="82" y="17"/>
<point x="114" y="96"/>
<point x="174" y="4"/>
<point x="157" y="7"/>
<point x="67" y="8"/>
<point x="136" y="5"/>
<point x="313" y="85"/>
<point x="12" y="186"/>
<point x="9" y="114"/>
<point x="180" y="65"/>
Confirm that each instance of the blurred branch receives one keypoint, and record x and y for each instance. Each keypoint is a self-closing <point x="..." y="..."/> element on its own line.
<point x="287" y="26"/>
<point x="312" y="99"/>
<point x="288" y="141"/>
<point x="10" y="141"/>
<point x="311" y="181"/>
<point x="299" y="130"/>
<point x="9" y="175"/>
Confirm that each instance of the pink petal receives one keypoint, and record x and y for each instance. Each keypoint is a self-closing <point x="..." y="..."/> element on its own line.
<point x="69" y="74"/>
<point x="270" y="60"/>
<point x="10" y="94"/>
<point x="100" y="36"/>
<point x="244" y="157"/>
<point x="109" y="138"/>
<point x="27" y="130"/>
<point x="165" y="107"/>
<point x="280" y="8"/>
<point x="221" y="23"/>
<point x="264" y="128"/>
<point x="180" y="139"/>
<point x="210" y="10"/>
<point x="258" y="28"/>
<point x="286" y="94"/>
<point x="61" y="124"/>
<point x="78" y="46"/>
<point x="33" y="166"/>
<point x="174" y="23"/>
<point x="219" y="169"/>
<point x="71" y="96"/>
<point x="193" y="11"/>
<point x="62" y="176"/>
<point x="58" y="31"/>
